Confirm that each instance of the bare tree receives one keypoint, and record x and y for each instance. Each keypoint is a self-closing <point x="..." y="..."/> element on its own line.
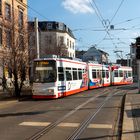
<point x="15" y="54"/>
<point x="54" y="46"/>
<point x="60" y="50"/>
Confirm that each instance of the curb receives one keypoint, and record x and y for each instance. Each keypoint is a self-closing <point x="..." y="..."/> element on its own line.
<point x="4" y="104"/>
<point x="128" y="122"/>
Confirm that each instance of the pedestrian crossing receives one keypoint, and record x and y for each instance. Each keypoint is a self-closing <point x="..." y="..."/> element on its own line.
<point x="41" y="124"/>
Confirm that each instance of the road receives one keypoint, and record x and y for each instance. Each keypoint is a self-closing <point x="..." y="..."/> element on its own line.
<point x="93" y="114"/>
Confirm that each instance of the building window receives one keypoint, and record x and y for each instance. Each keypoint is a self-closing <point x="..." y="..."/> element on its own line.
<point x="61" y="26"/>
<point x="20" y="18"/>
<point x="61" y="40"/>
<point x="0" y="37"/>
<point x="49" y="39"/>
<point x="7" y="11"/>
<point x="8" y="38"/>
<point x="49" y="26"/>
<point x="0" y="7"/>
<point x="73" y="45"/>
<point x="68" y="42"/>
<point x="21" y="42"/>
<point x="73" y="55"/>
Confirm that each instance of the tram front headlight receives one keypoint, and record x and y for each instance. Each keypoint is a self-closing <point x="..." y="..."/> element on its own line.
<point x="51" y="90"/>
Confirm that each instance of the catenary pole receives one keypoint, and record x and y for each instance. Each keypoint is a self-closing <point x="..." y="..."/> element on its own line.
<point x="138" y="64"/>
<point x="37" y="38"/>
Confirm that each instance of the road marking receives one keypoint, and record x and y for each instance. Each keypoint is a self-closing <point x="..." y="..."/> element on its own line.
<point x="35" y="123"/>
<point x="69" y="124"/>
<point x="104" y="126"/>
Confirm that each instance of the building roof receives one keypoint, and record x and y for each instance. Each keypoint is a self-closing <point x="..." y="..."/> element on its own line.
<point x="53" y="26"/>
<point x="103" y="52"/>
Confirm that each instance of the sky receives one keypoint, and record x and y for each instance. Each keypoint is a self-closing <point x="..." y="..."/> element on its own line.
<point x="90" y="21"/>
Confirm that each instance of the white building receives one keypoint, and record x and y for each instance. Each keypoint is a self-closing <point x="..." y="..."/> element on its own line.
<point x="94" y="54"/>
<point x="54" y="38"/>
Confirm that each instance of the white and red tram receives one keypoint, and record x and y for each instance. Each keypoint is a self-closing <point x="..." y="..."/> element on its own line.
<point x="59" y="77"/>
<point x="99" y="75"/>
<point x="121" y="75"/>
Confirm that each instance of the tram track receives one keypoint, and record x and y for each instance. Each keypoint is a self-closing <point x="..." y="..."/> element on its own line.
<point x="84" y="124"/>
<point x="87" y="121"/>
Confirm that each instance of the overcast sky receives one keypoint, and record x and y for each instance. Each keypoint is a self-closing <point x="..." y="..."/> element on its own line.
<point x="88" y="19"/>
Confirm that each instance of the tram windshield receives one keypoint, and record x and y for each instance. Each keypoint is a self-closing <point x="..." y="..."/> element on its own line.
<point x="45" y="71"/>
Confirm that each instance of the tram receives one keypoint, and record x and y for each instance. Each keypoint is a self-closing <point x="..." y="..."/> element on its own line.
<point x="58" y="77"/>
<point x="99" y="75"/>
<point x="121" y="75"/>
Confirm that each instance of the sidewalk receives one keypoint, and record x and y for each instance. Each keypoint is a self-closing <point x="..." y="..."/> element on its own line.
<point x="5" y="96"/>
<point x="7" y="99"/>
<point x="131" y="120"/>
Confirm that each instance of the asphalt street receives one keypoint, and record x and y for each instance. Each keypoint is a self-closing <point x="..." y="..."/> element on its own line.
<point x="93" y="114"/>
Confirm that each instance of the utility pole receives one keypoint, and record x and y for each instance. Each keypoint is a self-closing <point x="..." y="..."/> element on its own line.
<point x="37" y="38"/>
<point x="119" y="55"/>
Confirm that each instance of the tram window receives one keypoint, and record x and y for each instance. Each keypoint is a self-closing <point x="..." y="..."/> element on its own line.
<point x="125" y="74"/>
<point x="83" y="70"/>
<point x="129" y="74"/>
<point x="98" y="74"/>
<point x="121" y="73"/>
<point x="74" y="69"/>
<point x="68" y="68"/>
<point x="107" y="74"/>
<point x="80" y="74"/>
<point x="103" y="73"/>
<point x="60" y="69"/>
<point x="68" y="76"/>
<point x="94" y="73"/>
<point x="116" y="73"/>
<point x="75" y="77"/>
<point x="61" y="77"/>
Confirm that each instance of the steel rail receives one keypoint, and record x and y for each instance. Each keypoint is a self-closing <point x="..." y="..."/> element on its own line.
<point x="46" y="129"/>
<point x="87" y="121"/>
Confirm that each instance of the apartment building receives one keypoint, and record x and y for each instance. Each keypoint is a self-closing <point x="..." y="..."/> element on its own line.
<point x="13" y="26"/>
<point x="54" y="38"/>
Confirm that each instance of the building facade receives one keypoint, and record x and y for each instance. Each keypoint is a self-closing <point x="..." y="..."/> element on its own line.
<point x="54" y="38"/>
<point x="94" y="54"/>
<point x="13" y="25"/>
<point x="134" y="60"/>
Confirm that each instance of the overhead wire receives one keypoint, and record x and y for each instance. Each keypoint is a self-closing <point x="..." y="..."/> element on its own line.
<point x="98" y="15"/>
<point x="36" y="12"/>
<point x="117" y="10"/>
<point x="101" y="20"/>
<point x="104" y="25"/>
<point x="128" y="20"/>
